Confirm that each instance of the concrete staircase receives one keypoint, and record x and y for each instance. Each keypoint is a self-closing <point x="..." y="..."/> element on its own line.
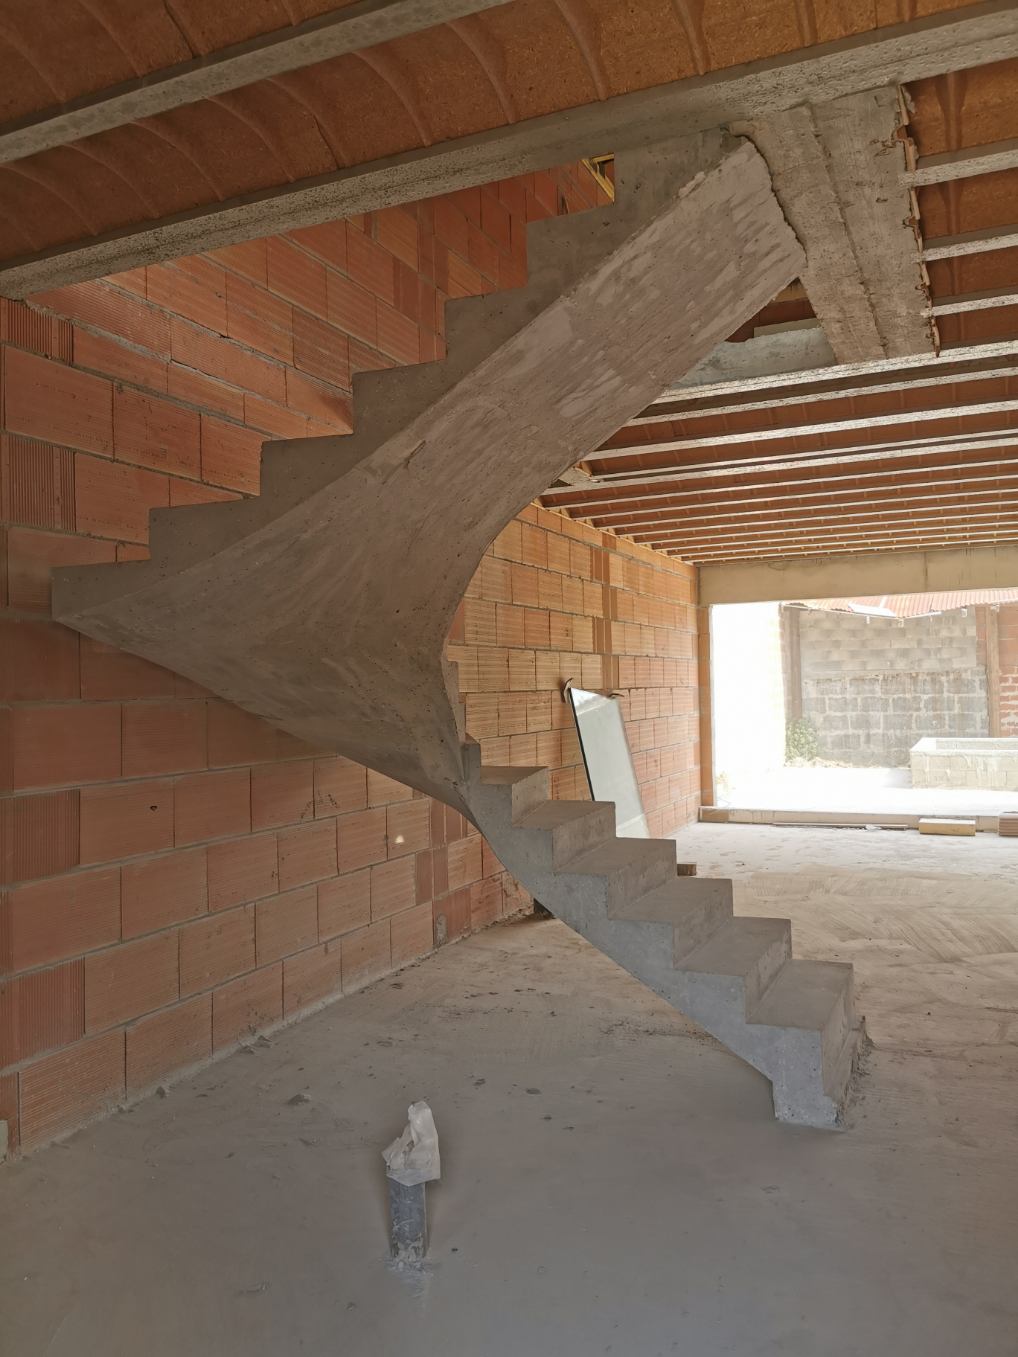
<point x="323" y="604"/>
<point x="735" y="977"/>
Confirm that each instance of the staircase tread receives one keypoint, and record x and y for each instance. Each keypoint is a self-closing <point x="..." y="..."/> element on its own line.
<point x="552" y="814"/>
<point x="668" y="903"/>
<point x="803" y="994"/>
<point x="736" y="947"/>
<point x="614" y="854"/>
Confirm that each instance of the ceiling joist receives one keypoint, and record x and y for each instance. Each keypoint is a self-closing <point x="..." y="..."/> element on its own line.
<point x="964" y="164"/>
<point x="363" y="24"/>
<point x="945" y="373"/>
<point x="819" y="430"/>
<point x="971" y="242"/>
<point x="798" y="357"/>
<point x="972" y="36"/>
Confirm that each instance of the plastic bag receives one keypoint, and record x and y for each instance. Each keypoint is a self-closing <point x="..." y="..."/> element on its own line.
<point x="413" y="1157"/>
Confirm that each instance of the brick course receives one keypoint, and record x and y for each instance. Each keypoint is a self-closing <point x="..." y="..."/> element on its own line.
<point x="1007" y="632"/>
<point x="176" y="873"/>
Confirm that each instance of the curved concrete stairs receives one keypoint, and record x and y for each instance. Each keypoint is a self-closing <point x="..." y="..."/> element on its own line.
<point x="793" y="1020"/>
<point x="323" y="604"/>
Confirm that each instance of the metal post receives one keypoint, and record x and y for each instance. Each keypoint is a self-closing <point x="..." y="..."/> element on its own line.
<point x="408" y="1221"/>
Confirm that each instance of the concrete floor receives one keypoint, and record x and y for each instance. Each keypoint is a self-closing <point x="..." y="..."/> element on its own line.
<point x="614" y="1181"/>
<point x="875" y="790"/>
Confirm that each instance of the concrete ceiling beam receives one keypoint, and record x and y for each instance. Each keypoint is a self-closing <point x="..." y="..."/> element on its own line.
<point x="613" y="452"/>
<point x="945" y="373"/>
<point x="976" y="301"/>
<point x="837" y="169"/>
<point x="834" y="517"/>
<point x="850" y="550"/>
<point x="350" y="29"/>
<point x="799" y="357"/>
<point x="832" y="576"/>
<point x="992" y="480"/>
<point x="964" y="164"/>
<point x="971" y="242"/>
<point x="829" y="536"/>
<point x="830" y="540"/>
<point x="974" y="35"/>
<point x="887" y="460"/>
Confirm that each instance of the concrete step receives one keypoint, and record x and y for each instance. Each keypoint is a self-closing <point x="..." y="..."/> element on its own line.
<point x="572" y="826"/>
<point x="629" y="867"/>
<point x="815" y="996"/>
<point x="840" y="1066"/>
<point x="696" y="906"/>
<point x="527" y="788"/>
<point x="190" y="533"/>
<point x="750" y="950"/>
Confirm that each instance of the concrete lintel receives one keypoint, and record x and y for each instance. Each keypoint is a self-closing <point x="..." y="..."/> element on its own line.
<point x="837" y="171"/>
<point x="351" y="29"/>
<point x="974" y="35"/>
<point x="889" y="572"/>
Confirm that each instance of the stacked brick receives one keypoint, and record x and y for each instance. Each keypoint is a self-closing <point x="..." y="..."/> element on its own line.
<point x="1007" y="631"/>
<point x="176" y="874"/>
<point x="554" y="600"/>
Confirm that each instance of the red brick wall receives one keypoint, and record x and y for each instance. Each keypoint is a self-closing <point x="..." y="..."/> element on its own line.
<point x="176" y="873"/>
<point x="554" y="600"/>
<point x="1007" y="631"/>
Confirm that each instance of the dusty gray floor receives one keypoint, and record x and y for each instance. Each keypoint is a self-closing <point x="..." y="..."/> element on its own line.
<point x="614" y="1183"/>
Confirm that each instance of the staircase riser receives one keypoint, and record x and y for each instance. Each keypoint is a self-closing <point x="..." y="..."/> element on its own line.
<point x="764" y="969"/>
<point x="635" y="879"/>
<point x="836" y="1032"/>
<point x="840" y="1067"/>
<point x="551" y="849"/>
<point x="530" y="793"/>
<point x="701" y="923"/>
<point x="579" y="836"/>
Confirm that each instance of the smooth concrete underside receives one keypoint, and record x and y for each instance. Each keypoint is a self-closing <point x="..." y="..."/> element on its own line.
<point x="614" y="1183"/>
<point x="323" y="604"/>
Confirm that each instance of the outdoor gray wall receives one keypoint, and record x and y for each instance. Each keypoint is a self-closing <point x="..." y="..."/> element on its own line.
<point x="873" y="687"/>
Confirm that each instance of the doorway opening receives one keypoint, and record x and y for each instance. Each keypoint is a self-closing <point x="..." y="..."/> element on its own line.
<point x="895" y="705"/>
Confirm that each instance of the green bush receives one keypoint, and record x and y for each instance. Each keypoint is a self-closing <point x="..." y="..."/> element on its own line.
<point x="801" y="740"/>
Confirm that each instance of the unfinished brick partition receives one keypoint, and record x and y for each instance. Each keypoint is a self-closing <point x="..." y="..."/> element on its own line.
<point x="176" y="873"/>
<point x="1007" y="633"/>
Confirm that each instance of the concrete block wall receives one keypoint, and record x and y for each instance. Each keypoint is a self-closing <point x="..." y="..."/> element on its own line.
<point x="874" y="686"/>
<point x="832" y="643"/>
<point x="176" y="874"/>
<point x="875" y="719"/>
